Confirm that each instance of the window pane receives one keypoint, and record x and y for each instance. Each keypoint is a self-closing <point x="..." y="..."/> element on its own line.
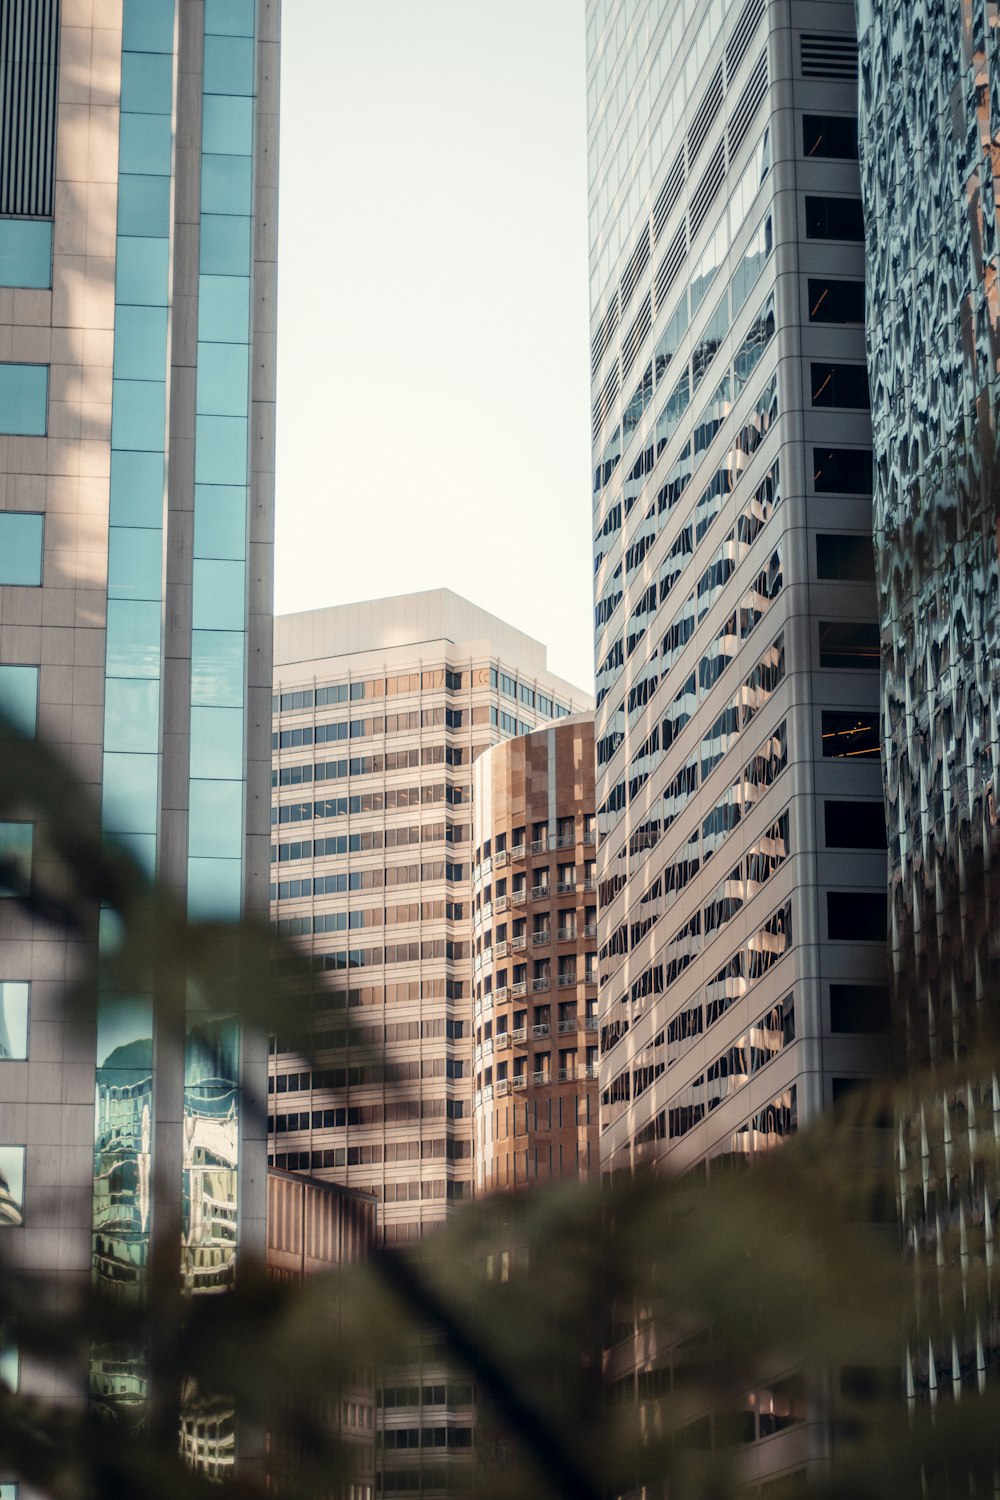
<point x="138" y="415"/>
<point x="141" y="273"/>
<point x="859" y="1007"/>
<point x="145" y="144"/>
<point x="224" y="309"/>
<point x="845" y="557"/>
<point x="220" y="521"/>
<point x="217" y="742"/>
<point x="840" y="385"/>
<point x="14" y="997"/>
<point x="228" y="65"/>
<point x="834" y="219"/>
<point x="24" y="394"/>
<point x="227" y="125"/>
<point x="147" y="83"/>
<point x="132" y="714"/>
<point x="220" y="450"/>
<point x="140" y="340"/>
<point x="133" y="638"/>
<point x="216" y="820"/>
<point x="836" y="301"/>
<point x="223" y="379"/>
<point x="20" y="548"/>
<point x="854" y="825"/>
<point x="143" y="205"/>
<point x="842" y="471"/>
<point x="11" y="1186"/>
<point x="850" y="735"/>
<point x="849" y="643"/>
<point x="15" y="851"/>
<point x="217" y="668"/>
<point x="225" y="244"/>
<point x="229" y="17"/>
<point x="26" y="252"/>
<point x="135" y="563"/>
<point x="226" y="184"/>
<point x="856" y="916"/>
<point x="830" y="135"/>
<point x="19" y="697"/>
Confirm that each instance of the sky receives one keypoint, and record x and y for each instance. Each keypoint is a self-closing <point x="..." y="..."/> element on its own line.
<point x="433" y="345"/>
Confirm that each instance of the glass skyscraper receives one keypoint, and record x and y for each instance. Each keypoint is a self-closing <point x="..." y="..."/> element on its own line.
<point x="138" y="197"/>
<point x="741" y="832"/>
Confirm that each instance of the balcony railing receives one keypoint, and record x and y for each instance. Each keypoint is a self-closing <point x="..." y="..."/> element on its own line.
<point x="590" y="929"/>
<point x="540" y="892"/>
<point x="519" y="1034"/>
<point x="543" y="935"/>
<point x="500" y="858"/>
<point x="539" y="846"/>
<point x="518" y="898"/>
<point x="590" y="835"/>
<point x="590" y="884"/>
<point x="542" y="1077"/>
<point x="540" y="984"/>
<point x="500" y="993"/>
<point x="590" y="1022"/>
<point x="501" y="903"/>
<point x="569" y="1023"/>
<point x="519" y="988"/>
<point x="565" y="887"/>
<point x="517" y="852"/>
<point x="501" y="949"/>
<point x="564" y="840"/>
<point x="566" y="934"/>
<point x="542" y="1029"/>
<point x="565" y="980"/>
<point x="519" y="942"/>
<point x="501" y="1087"/>
<point x="520" y="1080"/>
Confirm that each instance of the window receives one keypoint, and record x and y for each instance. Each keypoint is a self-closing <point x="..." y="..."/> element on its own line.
<point x="848" y="735"/>
<point x="849" y="643"/>
<point x="26" y="252"/>
<point x="830" y="135"/>
<point x="840" y="385"/>
<point x="847" y="558"/>
<point x="836" y="301"/>
<point x="15" y="852"/>
<point x="19" y="697"/>
<point x="842" y="471"/>
<point x="854" y="825"/>
<point x="856" y="916"/>
<point x="20" y="548"/>
<point x="14" y="997"/>
<point x="11" y="1186"/>
<point x="859" y="1007"/>
<point x="834" y="219"/>
<point x="24" y="397"/>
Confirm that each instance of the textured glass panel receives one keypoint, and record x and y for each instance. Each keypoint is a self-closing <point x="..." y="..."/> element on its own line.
<point x="137" y="415"/>
<point x="220" y="450"/>
<point x="215" y="888"/>
<point x="217" y="743"/>
<point x="147" y="26"/>
<point x="133" y="637"/>
<point x="224" y="309"/>
<point x="130" y="797"/>
<point x="211" y="1137"/>
<point x="140" y="340"/>
<point x="229" y="17"/>
<point x="215" y="828"/>
<point x="147" y="83"/>
<point x="132" y="714"/>
<point x="122" y="1138"/>
<point x="220" y="520"/>
<point x="228" y="65"/>
<point x="217" y="668"/>
<point x="219" y="595"/>
<point x="11" y="1186"/>
<point x="136" y="489"/>
<point x="24" y="393"/>
<point x="141" y="272"/>
<point x="145" y="144"/>
<point x="16" y="841"/>
<point x="19" y="697"/>
<point x="14" y="998"/>
<point x="26" y="252"/>
<point x="225" y="245"/>
<point x="227" y="125"/>
<point x="223" y="379"/>
<point x="226" y="184"/>
<point x="135" y="563"/>
<point x="20" y="548"/>
<point x="143" y="205"/>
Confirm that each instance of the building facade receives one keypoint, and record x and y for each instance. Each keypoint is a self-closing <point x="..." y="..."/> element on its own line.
<point x="534" y="986"/>
<point x="138" y="197"/>
<point x="741" y="833"/>
<point x="387" y="705"/>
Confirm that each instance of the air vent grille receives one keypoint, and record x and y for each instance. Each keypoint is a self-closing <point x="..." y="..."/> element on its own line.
<point x="747" y="105"/>
<point x="29" y="50"/>
<point x="602" y="337"/>
<point x="605" y="400"/>
<point x="704" y="193"/>
<point x="633" y="339"/>
<point x="739" y="43"/>
<point x="668" y="194"/>
<point x="637" y="264"/>
<point x="832" y="55"/>
<point x="707" y="111"/>
<point x="671" y="264"/>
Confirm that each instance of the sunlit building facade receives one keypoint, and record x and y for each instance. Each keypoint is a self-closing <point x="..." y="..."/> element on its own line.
<point x="138" y="197"/>
<point x="741" y="837"/>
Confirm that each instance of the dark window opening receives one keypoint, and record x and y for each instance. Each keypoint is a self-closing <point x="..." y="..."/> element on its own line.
<point x="842" y="471"/>
<point x="847" y="558"/>
<point x="856" y="916"/>
<point x="834" y="219"/>
<point x="849" y="643"/>
<point x="830" y="135"/>
<point x="836" y="301"/>
<point x="840" y="385"/>
<point x="851" y="735"/>
<point x="854" y="825"/>
<point x="862" y="1008"/>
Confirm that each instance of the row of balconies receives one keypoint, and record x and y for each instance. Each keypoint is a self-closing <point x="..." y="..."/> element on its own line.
<point x="538" y="1080"/>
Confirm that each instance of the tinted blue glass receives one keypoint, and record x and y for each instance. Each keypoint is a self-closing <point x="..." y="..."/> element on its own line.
<point x="144" y="144"/>
<point x="228" y="65"/>
<point x="26" y="252"/>
<point x="225" y="184"/>
<point x="20" y="548"/>
<point x="217" y="668"/>
<point x="137" y="415"/>
<point x="135" y="563"/>
<point x="125" y="1021"/>
<point x="140" y="340"/>
<point x="136" y="489"/>
<point x="143" y="205"/>
<point x="148" y="26"/>
<point x="219" y="601"/>
<point x="14" y="998"/>
<point x="229" y="17"/>
<point x="130" y="797"/>
<point x="12" y="1170"/>
<point x="217" y="743"/>
<point x="19" y="697"/>
<point x="141" y="271"/>
<point x="220" y="520"/>
<point x="142" y="847"/>
<point x="132" y="714"/>
<point x="214" y="888"/>
<point x="24" y="391"/>
<point x="15" y="845"/>
<point x="224" y="309"/>
<point x="215" y="828"/>
<point x="147" y="83"/>
<point x="220" y="455"/>
<point x="133" y="639"/>
<point x="223" y="379"/>
<point x="225" y="245"/>
<point x="227" y="125"/>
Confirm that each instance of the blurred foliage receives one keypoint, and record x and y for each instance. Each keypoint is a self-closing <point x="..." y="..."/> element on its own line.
<point x="779" y="1287"/>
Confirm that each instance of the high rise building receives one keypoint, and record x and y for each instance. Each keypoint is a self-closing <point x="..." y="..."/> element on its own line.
<point x="534" y="909"/>
<point x="741" y="831"/>
<point x="380" y="711"/>
<point x="138" y="198"/>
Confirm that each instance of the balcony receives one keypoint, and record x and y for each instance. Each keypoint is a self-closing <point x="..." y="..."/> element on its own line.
<point x="518" y="943"/>
<point x="501" y="1087"/>
<point x="539" y="985"/>
<point x="590" y="977"/>
<point x="590" y="885"/>
<point x="501" y="903"/>
<point x="569" y="1023"/>
<point x="540" y="892"/>
<point x="565" y="887"/>
<point x="520" y="988"/>
<point x="500" y="993"/>
<point x="539" y="846"/>
<point x="566" y="980"/>
<point x="486" y="912"/>
<point x="501" y="1040"/>
<point x="500" y="858"/>
<point x="501" y="949"/>
<point x="519" y="1034"/>
<point x="542" y="1029"/>
<point x="539" y="1079"/>
<point x="566" y="934"/>
<point x="590" y="835"/>
<point x="590" y="930"/>
<point x="520" y="1080"/>
<point x="517" y="852"/>
<point x="543" y="935"/>
<point x="518" y="898"/>
<point x="590" y="1022"/>
<point x="564" y="841"/>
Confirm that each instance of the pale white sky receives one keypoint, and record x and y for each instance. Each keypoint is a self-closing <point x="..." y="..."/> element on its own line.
<point x="433" y="349"/>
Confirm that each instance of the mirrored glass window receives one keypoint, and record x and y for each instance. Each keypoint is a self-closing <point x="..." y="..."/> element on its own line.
<point x="24" y="392"/>
<point x="223" y="379"/>
<point x="137" y="415"/>
<point x="132" y="714"/>
<point x="140" y="341"/>
<point x="143" y="205"/>
<point x="225" y="244"/>
<point x="19" y="697"/>
<point x="130" y="799"/>
<point x="227" y="125"/>
<point x="11" y="1186"/>
<point x="220" y="521"/>
<point x="226" y="184"/>
<point x="147" y="83"/>
<point x="136" y="488"/>
<point x="135" y="563"/>
<point x="14" y="999"/>
<point x="133" y="638"/>
<point x="217" y="742"/>
<point x="16" y="840"/>
<point x="145" y="145"/>
<point x="26" y="252"/>
<point x="216" y="822"/>
<point x="217" y="668"/>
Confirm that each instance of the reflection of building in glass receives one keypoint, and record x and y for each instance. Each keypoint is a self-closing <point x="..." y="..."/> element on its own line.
<point x="535" y="958"/>
<point x="14" y="1001"/>
<point x="211" y="1125"/>
<point x="122" y="1143"/>
<point x="929" y="80"/>
<point x="741" y="839"/>
<point x="11" y="1186"/>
